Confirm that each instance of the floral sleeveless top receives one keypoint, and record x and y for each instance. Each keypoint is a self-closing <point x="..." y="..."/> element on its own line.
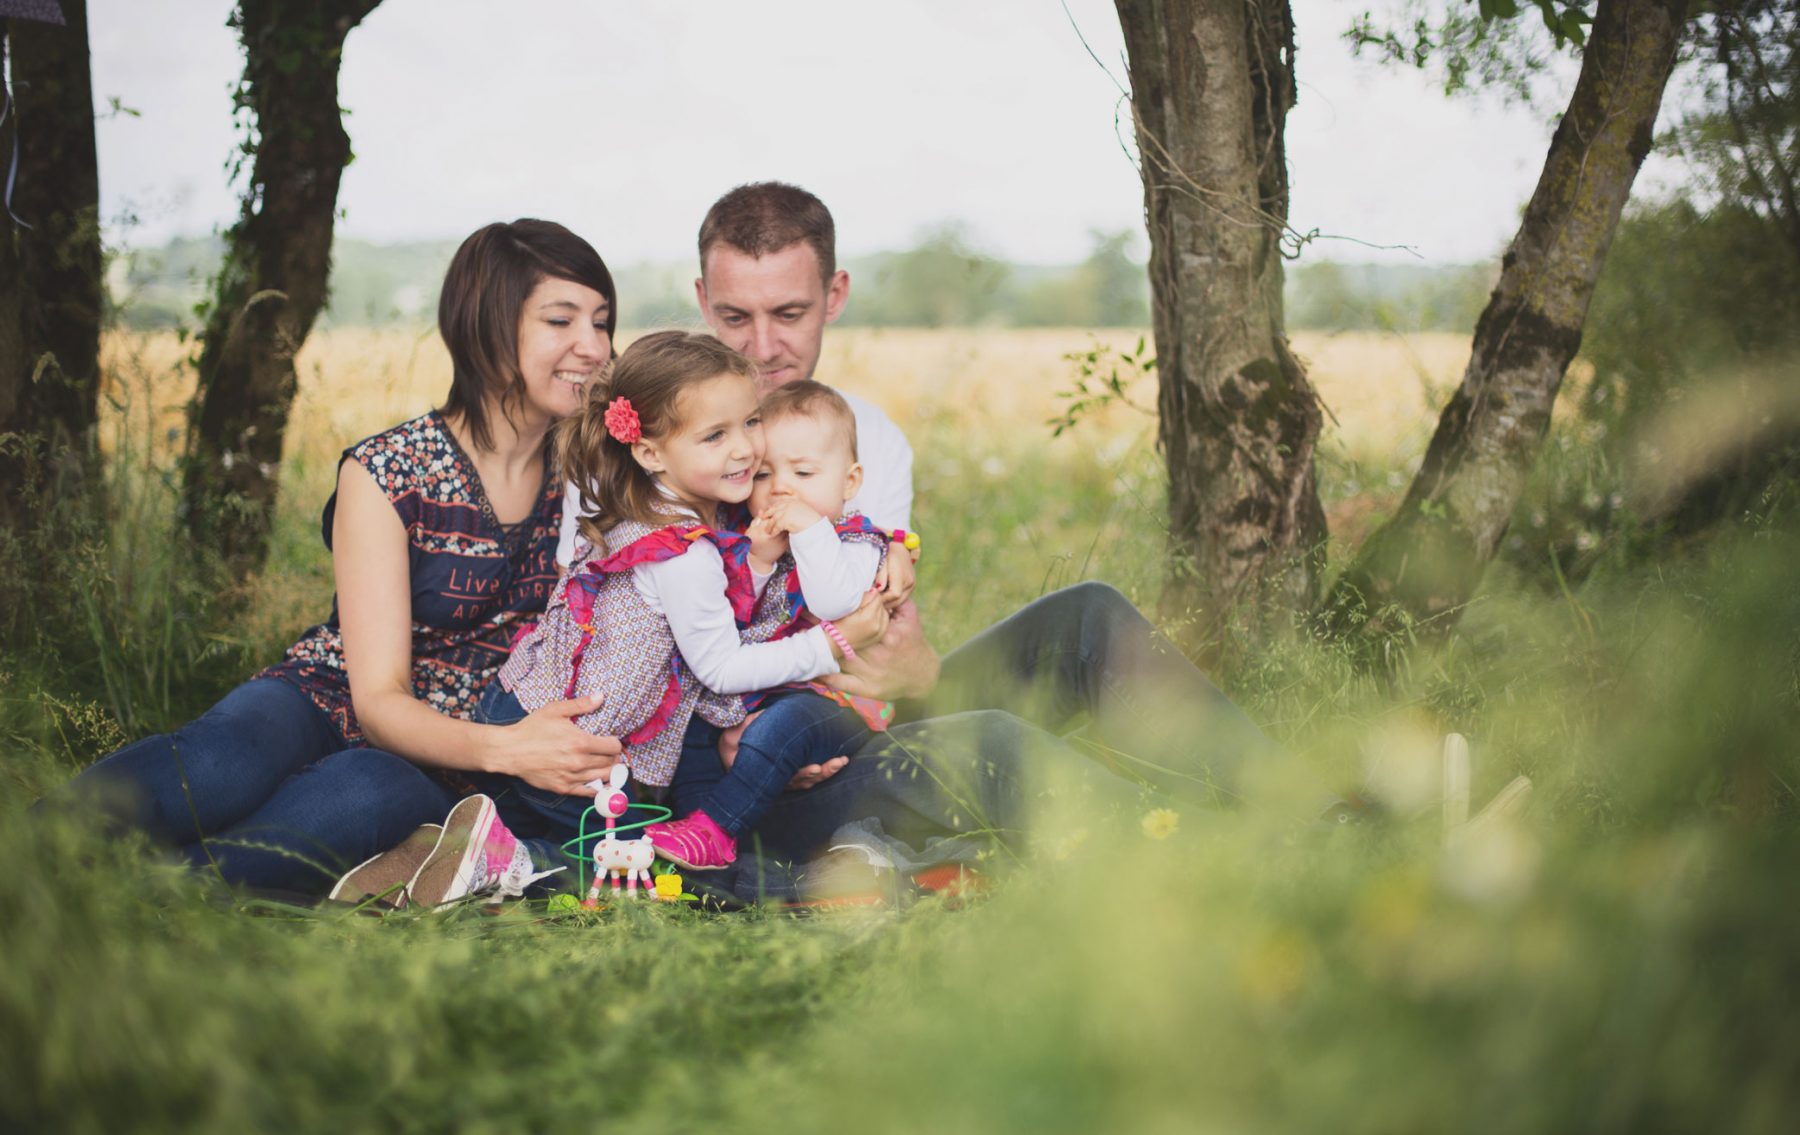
<point x="475" y="582"/>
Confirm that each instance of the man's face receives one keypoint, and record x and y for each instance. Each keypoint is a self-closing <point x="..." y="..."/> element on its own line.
<point x="772" y="308"/>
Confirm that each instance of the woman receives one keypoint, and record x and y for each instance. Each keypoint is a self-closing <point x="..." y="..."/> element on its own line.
<point x="443" y="535"/>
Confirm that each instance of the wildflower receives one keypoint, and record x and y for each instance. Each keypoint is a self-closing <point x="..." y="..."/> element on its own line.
<point x="1161" y="823"/>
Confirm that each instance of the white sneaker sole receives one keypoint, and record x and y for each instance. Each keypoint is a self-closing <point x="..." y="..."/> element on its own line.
<point x="448" y="872"/>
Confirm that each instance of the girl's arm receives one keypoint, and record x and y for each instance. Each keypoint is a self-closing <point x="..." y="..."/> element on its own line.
<point x="834" y="575"/>
<point x="370" y="558"/>
<point x="690" y="592"/>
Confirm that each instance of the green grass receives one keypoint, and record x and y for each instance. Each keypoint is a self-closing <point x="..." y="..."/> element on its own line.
<point x="1624" y="957"/>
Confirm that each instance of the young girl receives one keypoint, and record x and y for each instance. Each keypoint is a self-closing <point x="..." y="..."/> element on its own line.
<point x="825" y="563"/>
<point x="648" y="618"/>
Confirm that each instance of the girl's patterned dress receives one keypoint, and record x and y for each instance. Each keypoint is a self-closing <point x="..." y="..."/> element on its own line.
<point x="475" y="582"/>
<point x="598" y="636"/>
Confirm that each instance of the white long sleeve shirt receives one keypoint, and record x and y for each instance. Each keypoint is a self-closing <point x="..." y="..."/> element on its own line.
<point x="689" y="591"/>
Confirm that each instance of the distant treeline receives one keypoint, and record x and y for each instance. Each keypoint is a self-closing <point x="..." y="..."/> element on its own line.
<point x="943" y="281"/>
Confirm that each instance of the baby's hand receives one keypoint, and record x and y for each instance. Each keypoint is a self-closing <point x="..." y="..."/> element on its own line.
<point x="792" y="515"/>
<point x="767" y="543"/>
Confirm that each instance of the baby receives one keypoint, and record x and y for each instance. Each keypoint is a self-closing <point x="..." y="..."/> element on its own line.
<point x="820" y="565"/>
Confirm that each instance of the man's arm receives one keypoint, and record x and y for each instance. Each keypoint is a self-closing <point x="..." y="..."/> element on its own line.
<point x="902" y="665"/>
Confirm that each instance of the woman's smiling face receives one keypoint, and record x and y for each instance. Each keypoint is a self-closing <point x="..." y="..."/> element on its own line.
<point x="563" y="344"/>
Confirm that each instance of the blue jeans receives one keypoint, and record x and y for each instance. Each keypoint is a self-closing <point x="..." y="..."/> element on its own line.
<point x="263" y="787"/>
<point x="793" y="729"/>
<point x="542" y="821"/>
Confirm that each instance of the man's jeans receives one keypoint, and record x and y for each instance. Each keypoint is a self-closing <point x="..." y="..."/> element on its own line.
<point x="977" y="754"/>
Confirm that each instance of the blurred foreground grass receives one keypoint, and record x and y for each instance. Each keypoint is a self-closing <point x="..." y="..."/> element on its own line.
<point x="1625" y="956"/>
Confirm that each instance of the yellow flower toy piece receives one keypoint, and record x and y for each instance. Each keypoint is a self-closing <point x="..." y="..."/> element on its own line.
<point x="668" y="888"/>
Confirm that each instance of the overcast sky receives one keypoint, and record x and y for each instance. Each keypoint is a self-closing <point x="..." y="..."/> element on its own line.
<point x="624" y="119"/>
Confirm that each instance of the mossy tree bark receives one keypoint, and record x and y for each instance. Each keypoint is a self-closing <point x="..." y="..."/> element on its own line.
<point x="1423" y="566"/>
<point x="50" y="273"/>
<point x="276" y="270"/>
<point x="1211" y="84"/>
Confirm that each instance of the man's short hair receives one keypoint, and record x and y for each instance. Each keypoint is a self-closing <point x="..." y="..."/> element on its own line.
<point x="806" y="398"/>
<point x="768" y="216"/>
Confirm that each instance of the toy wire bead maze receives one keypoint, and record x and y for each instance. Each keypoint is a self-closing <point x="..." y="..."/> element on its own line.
<point x="614" y="858"/>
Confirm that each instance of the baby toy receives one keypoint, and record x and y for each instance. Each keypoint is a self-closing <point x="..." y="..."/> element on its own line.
<point x="615" y="857"/>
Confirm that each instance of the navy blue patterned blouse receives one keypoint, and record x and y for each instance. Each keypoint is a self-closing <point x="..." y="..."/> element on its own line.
<point x="475" y="582"/>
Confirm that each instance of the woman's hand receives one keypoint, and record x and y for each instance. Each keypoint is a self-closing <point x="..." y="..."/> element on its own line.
<point x="865" y="625"/>
<point x="547" y="750"/>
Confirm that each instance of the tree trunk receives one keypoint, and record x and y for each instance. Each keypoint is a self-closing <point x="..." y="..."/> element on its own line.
<point x="50" y="282"/>
<point x="274" y="278"/>
<point x="1421" y="567"/>
<point x="1211" y="83"/>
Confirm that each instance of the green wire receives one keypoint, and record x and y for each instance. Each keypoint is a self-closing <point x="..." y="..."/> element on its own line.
<point x="580" y="852"/>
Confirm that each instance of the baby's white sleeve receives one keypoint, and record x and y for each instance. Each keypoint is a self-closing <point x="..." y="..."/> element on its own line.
<point x="690" y="592"/>
<point x="834" y="575"/>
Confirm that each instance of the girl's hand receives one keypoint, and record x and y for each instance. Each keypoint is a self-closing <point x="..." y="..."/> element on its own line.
<point x="896" y="577"/>
<point x="791" y="514"/>
<point x="767" y="544"/>
<point x="547" y="750"/>
<point x="865" y="625"/>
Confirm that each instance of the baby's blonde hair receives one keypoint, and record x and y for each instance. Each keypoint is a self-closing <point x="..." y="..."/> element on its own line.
<point x="809" y="399"/>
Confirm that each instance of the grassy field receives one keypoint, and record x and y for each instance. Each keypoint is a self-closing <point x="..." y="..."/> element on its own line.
<point x="1622" y="957"/>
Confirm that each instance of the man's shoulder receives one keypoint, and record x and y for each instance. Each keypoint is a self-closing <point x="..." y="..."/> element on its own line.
<point x="871" y="420"/>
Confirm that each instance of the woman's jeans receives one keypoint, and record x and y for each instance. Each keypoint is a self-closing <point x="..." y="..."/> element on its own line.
<point x="262" y="789"/>
<point x="543" y="821"/>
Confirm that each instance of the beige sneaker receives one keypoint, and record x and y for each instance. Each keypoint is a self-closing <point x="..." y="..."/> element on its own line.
<point x="382" y="878"/>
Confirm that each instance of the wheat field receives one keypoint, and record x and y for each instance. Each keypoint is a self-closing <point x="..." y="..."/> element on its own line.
<point x="992" y="388"/>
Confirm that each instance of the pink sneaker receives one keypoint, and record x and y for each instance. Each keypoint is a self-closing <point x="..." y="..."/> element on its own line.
<point x="694" y="842"/>
<point x="475" y="855"/>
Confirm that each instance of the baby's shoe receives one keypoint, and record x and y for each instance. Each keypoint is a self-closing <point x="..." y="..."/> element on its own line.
<point x="475" y="855"/>
<point x="694" y="842"/>
<point x="382" y="879"/>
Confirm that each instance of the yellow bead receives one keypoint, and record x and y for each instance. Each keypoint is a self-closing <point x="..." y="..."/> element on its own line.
<point x="912" y="541"/>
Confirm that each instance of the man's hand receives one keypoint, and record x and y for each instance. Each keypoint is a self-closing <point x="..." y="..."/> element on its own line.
<point x="809" y="776"/>
<point x="865" y="626"/>
<point x="901" y="665"/>
<point x="895" y="579"/>
<point x="804" y="777"/>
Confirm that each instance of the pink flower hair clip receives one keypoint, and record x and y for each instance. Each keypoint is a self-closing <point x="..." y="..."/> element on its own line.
<point x="622" y="421"/>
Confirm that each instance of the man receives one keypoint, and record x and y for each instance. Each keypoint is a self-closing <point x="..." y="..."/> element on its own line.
<point x="769" y="285"/>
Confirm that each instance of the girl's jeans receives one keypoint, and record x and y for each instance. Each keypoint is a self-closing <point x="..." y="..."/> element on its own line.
<point x="261" y="788"/>
<point x="793" y="729"/>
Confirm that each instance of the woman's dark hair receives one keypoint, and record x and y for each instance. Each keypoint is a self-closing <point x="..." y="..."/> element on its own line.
<point x="651" y="375"/>
<point x="490" y="278"/>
